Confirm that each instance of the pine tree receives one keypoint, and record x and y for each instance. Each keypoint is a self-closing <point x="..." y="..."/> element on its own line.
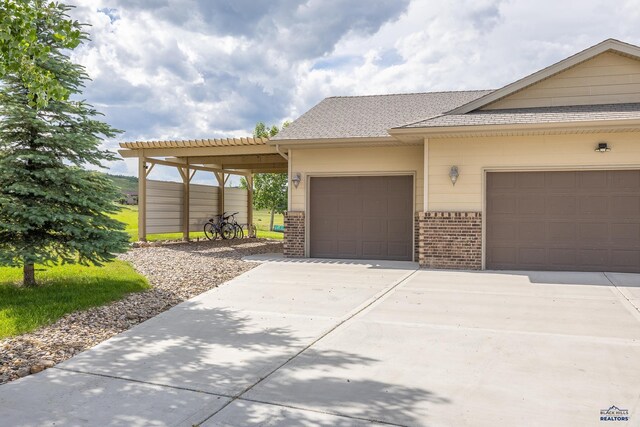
<point x="53" y="210"/>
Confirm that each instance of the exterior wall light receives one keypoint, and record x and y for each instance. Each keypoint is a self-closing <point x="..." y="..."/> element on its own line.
<point x="297" y="177"/>
<point x="454" y="174"/>
<point x="603" y="147"/>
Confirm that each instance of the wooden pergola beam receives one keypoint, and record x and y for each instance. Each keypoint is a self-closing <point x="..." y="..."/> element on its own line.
<point x="199" y="151"/>
<point x="195" y="167"/>
<point x="239" y="159"/>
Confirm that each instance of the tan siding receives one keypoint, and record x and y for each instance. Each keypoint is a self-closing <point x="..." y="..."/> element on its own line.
<point x="164" y="206"/>
<point x="471" y="155"/>
<point x="608" y="78"/>
<point x="235" y="200"/>
<point x="365" y="161"/>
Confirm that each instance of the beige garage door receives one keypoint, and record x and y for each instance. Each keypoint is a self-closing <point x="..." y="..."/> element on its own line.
<point x="583" y="221"/>
<point x="361" y="217"/>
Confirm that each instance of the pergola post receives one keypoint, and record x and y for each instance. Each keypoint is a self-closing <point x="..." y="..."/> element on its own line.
<point x="221" y="181"/>
<point x="186" y="180"/>
<point x="250" y="204"/>
<point x="142" y="199"/>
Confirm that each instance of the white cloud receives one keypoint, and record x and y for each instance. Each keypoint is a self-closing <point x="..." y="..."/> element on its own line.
<point x="200" y="68"/>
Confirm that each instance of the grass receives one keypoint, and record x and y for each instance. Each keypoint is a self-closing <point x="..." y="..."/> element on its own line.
<point x="63" y="289"/>
<point x="129" y="215"/>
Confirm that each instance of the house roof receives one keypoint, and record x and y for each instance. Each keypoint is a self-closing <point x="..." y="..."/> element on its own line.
<point x="540" y="115"/>
<point x="371" y="116"/>
<point x="493" y="96"/>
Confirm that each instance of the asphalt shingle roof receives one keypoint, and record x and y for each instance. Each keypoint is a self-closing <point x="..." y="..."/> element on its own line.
<point x="540" y="115"/>
<point x="372" y="116"/>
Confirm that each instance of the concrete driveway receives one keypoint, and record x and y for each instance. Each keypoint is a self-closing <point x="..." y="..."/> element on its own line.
<point x="335" y="343"/>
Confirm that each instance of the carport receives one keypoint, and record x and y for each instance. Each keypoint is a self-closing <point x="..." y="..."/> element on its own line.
<point x="165" y="207"/>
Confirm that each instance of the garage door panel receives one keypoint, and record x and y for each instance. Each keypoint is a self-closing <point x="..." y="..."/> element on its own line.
<point x="325" y="226"/>
<point x="502" y="204"/>
<point x="559" y="232"/>
<point x="627" y="203"/>
<point x="561" y="205"/>
<point x="372" y="227"/>
<point x="530" y="181"/>
<point x="370" y="217"/>
<point x="532" y="256"/>
<point x="324" y="247"/>
<point x="561" y="180"/>
<point x="374" y="249"/>
<point x="504" y="231"/>
<point x="347" y="248"/>
<point x="562" y="256"/>
<point x="591" y="221"/>
<point x="593" y="180"/>
<point x="595" y="233"/>
<point x="503" y="256"/>
<point x="533" y="205"/>
<point x="375" y="205"/>
<point x="398" y="249"/>
<point x="625" y="232"/>
<point x="625" y="180"/>
<point x="349" y="206"/>
<point x="593" y="205"/>
<point x="327" y="204"/>
<point x="531" y="230"/>
<point x="346" y="228"/>
<point x="595" y="258"/>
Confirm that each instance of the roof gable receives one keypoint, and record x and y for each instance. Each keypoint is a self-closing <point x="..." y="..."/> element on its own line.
<point x="515" y="94"/>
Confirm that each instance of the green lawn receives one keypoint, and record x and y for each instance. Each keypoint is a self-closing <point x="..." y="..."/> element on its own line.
<point x="62" y="290"/>
<point x="129" y="215"/>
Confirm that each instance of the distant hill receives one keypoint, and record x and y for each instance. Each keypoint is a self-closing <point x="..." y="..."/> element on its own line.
<point x="124" y="183"/>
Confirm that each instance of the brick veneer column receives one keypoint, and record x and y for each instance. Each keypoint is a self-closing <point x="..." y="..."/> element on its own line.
<point x="294" y="234"/>
<point x="450" y="240"/>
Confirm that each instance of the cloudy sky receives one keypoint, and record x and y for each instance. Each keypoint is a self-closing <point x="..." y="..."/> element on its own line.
<point x="181" y="69"/>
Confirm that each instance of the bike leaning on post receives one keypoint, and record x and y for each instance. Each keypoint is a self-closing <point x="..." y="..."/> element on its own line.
<point x="220" y="226"/>
<point x="238" y="232"/>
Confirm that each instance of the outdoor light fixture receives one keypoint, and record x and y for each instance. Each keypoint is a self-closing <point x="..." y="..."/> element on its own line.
<point x="297" y="177"/>
<point x="603" y="147"/>
<point x="454" y="174"/>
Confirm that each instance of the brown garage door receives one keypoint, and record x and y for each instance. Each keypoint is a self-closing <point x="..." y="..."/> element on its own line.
<point x="583" y="220"/>
<point x="361" y="217"/>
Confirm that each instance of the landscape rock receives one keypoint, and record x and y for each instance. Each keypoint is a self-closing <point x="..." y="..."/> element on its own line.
<point x="177" y="272"/>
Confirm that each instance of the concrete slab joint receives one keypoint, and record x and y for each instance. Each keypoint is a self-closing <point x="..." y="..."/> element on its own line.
<point x="450" y="240"/>
<point x="294" y="234"/>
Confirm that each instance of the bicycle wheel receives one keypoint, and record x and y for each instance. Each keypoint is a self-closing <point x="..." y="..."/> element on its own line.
<point x="210" y="231"/>
<point x="239" y="232"/>
<point x="227" y="231"/>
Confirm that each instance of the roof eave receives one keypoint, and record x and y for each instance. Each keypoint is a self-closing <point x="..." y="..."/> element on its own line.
<point x="335" y="142"/>
<point x="410" y="134"/>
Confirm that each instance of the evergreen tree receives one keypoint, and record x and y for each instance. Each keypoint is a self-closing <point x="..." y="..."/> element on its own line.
<point x="52" y="210"/>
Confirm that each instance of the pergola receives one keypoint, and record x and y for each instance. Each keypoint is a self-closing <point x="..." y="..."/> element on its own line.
<point x="222" y="157"/>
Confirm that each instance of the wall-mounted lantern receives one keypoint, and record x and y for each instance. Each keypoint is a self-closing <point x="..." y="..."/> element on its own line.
<point x="454" y="174"/>
<point x="296" y="178"/>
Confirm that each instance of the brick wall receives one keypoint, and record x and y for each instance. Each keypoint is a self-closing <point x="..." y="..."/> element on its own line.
<point x="294" y="234"/>
<point x="450" y="240"/>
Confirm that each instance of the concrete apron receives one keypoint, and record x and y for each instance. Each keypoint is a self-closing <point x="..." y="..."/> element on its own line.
<point x="336" y="343"/>
<point x="184" y="365"/>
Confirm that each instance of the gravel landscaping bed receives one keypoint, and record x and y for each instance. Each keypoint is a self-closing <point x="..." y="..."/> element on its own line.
<point x="177" y="272"/>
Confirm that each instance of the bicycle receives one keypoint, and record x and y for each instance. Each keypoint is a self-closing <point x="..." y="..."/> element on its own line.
<point x="238" y="232"/>
<point x="219" y="227"/>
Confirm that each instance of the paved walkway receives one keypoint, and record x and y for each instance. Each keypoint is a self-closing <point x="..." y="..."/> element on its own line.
<point x="353" y="343"/>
